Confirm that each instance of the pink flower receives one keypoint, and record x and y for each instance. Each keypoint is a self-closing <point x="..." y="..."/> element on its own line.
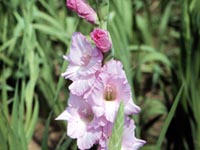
<point x="84" y="60"/>
<point x="102" y="39"/>
<point x="109" y="90"/>
<point x="82" y="124"/>
<point x="83" y="10"/>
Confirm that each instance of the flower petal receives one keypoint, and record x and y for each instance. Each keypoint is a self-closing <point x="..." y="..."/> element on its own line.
<point x="64" y="116"/>
<point x="79" y="87"/>
<point x="76" y="128"/>
<point x="130" y="142"/>
<point x="88" y="140"/>
<point x="111" y="109"/>
<point x="130" y="108"/>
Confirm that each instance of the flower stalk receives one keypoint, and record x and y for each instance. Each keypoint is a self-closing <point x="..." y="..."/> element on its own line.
<point x="99" y="89"/>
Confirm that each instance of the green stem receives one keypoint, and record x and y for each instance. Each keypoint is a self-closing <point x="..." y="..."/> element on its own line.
<point x="102" y="12"/>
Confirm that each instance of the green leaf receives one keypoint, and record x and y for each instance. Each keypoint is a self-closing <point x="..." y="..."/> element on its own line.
<point x="141" y="48"/>
<point x="144" y="28"/>
<point x="164" y="20"/>
<point x="15" y="112"/>
<point x="169" y="118"/>
<point x="103" y="10"/>
<point x="4" y="94"/>
<point x="61" y="35"/>
<point x="3" y="130"/>
<point x="45" y="136"/>
<point x="117" y="132"/>
<point x="149" y="147"/>
<point x="64" y="143"/>
<point x="156" y="56"/>
<point x="33" y="122"/>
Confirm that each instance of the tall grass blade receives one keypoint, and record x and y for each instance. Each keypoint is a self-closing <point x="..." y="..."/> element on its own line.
<point x="45" y="135"/>
<point x="34" y="118"/>
<point x="169" y="118"/>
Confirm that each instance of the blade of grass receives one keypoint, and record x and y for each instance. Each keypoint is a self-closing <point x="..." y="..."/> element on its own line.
<point x="143" y="27"/>
<point x="164" y="22"/>
<point x="3" y="130"/>
<point x="156" y="56"/>
<point x="15" y="115"/>
<point x="14" y="138"/>
<point x="64" y="143"/>
<point x="46" y="131"/>
<point x="169" y="118"/>
<point x="34" y="118"/>
<point x="141" y="48"/>
<point x="4" y="94"/>
<point x="21" y="116"/>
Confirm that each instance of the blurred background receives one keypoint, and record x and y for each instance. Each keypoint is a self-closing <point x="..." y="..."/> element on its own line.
<point x="158" y="42"/>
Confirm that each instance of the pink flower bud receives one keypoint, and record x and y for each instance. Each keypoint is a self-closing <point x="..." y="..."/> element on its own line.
<point x="101" y="39"/>
<point x="83" y="10"/>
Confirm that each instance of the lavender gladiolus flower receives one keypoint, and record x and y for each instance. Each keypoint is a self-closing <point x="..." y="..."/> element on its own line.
<point x="84" y="62"/>
<point x="81" y="122"/>
<point x="110" y="88"/>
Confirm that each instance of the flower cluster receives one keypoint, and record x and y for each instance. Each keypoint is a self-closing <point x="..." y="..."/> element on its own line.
<point x="96" y="90"/>
<point x="95" y="96"/>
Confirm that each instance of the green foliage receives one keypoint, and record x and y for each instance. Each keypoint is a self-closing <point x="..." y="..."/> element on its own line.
<point x="45" y="137"/>
<point x="35" y="35"/>
<point x="117" y="132"/>
<point x="14" y="133"/>
<point x="169" y="118"/>
<point x="190" y="66"/>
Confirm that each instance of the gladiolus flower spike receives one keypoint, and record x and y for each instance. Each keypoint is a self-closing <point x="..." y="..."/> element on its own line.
<point x="97" y="89"/>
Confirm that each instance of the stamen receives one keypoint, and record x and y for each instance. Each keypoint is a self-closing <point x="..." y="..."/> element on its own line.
<point x="110" y="93"/>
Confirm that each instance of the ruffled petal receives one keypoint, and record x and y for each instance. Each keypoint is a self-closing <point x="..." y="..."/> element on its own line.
<point x="114" y="68"/>
<point x="130" y="108"/>
<point x="88" y="140"/>
<point x="130" y="142"/>
<point x="76" y="128"/>
<point x="79" y="87"/>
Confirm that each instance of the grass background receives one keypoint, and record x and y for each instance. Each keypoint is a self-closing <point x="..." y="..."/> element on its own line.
<point x="158" y="42"/>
